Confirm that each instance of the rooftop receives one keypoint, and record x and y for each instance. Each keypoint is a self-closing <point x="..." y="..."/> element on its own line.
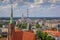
<point x="53" y="33"/>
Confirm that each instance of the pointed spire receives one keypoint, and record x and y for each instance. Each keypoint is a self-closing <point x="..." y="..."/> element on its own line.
<point x="27" y="13"/>
<point x="22" y="15"/>
<point x="11" y="17"/>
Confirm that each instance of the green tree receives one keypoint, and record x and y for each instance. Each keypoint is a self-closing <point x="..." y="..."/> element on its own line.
<point x="37" y="25"/>
<point x="22" y="25"/>
<point x="30" y="25"/>
<point x="44" y="35"/>
<point x="1" y="24"/>
<point x="38" y="34"/>
<point x="53" y="38"/>
<point x="50" y="38"/>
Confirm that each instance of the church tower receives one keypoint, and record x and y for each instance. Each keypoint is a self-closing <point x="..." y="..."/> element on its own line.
<point x="11" y="25"/>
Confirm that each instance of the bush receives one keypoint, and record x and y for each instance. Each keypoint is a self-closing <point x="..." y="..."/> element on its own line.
<point x="38" y="26"/>
<point x="50" y="38"/>
<point x="38" y="34"/>
<point x="43" y="35"/>
<point x="1" y="24"/>
<point x="22" y="25"/>
<point x="0" y="36"/>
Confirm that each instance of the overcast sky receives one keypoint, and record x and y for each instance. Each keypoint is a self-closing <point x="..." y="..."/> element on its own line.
<point x="35" y="10"/>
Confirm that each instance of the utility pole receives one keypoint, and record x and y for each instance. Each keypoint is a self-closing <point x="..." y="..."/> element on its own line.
<point x="27" y="19"/>
<point x="22" y="17"/>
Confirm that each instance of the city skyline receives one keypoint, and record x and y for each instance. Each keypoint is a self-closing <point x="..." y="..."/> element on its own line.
<point x="19" y="7"/>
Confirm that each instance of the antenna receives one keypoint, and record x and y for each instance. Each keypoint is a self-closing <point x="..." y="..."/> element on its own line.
<point x="27" y="19"/>
<point x="27" y="13"/>
<point x="22" y="17"/>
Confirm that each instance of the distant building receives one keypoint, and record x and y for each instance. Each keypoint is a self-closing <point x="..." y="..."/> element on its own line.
<point x="51" y="1"/>
<point x="38" y="1"/>
<point x="28" y="1"/>
<point x="34" y="1"/>
<point x="58" y="27"/>
<point x="52" y="23"/>
<point x="47" y="1"/>
<point x="53" y="34"/>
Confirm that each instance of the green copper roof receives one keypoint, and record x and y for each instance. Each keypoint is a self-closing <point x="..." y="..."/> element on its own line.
<point x="11" y="18"/>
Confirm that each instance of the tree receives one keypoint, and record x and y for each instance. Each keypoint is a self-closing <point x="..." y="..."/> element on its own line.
<point x="1" y="24"/>
<point x="30" y="25"/>
<point x="22" y="25"/>
<point x="58" y="27"/>
<point x="50" y="38"/>
<point x="44" y="35"/>
<point x="38" y="34"/>
<point x="37" y="25"/>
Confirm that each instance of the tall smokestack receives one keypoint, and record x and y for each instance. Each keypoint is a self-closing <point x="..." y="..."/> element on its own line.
<point x="27" y="19"/>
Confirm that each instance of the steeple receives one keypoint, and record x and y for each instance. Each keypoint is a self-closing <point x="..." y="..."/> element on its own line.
<point x="11" y="17"/>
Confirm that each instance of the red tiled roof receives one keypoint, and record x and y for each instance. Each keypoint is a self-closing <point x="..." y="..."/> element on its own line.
<point x="20" y="35"/>
<point x="53" y="33"/>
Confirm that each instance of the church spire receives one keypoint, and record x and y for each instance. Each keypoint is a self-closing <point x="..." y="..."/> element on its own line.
<point x="11" y="17"/>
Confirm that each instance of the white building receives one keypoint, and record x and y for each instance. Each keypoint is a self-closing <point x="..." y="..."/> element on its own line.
<point x="38" y="1"/>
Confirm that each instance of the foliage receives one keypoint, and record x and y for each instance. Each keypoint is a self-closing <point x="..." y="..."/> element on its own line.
<point x="37" y="25"/>
<point x="30" y="25"/>
<point x="38" y="34"/>
<point x="43" y="35"/>
<point x="22" y="25"/>
<point x="1" y="24"/>
<point x="0" y="35"/>
<point x="50" y="38"/>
